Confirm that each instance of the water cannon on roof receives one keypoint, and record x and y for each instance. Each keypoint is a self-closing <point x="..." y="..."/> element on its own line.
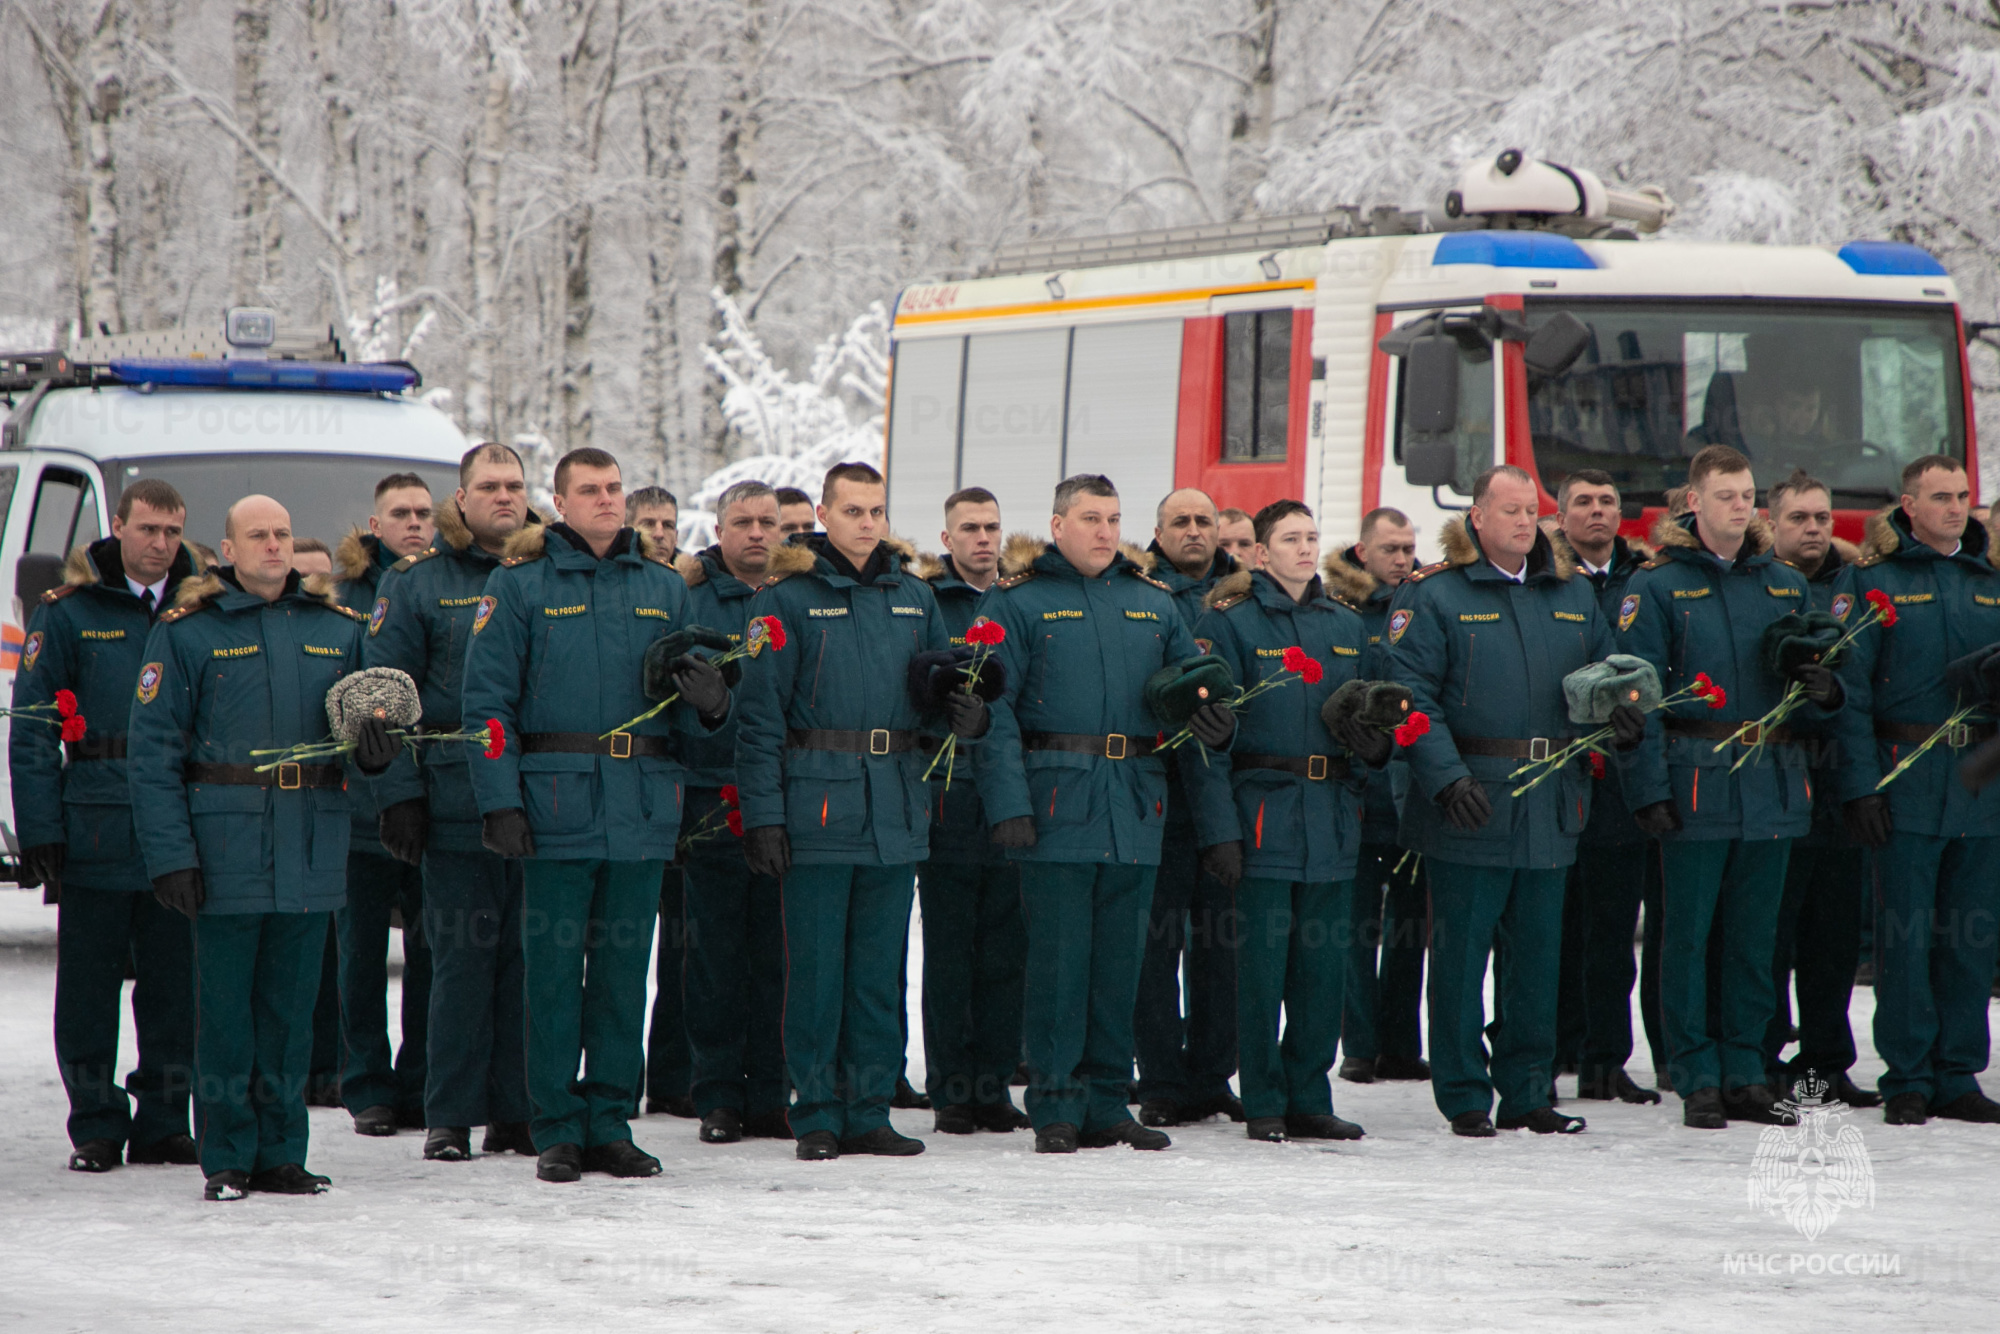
<point x="1515" y="191"/>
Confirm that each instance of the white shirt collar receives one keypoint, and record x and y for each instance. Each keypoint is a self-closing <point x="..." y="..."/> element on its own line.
<point x="1520" y="578"/>
<point x="1588" y="568"/>
<point x="139" y="590"/>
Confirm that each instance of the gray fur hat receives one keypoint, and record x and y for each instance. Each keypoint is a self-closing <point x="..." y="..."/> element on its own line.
<point x="1595" y="689"/>
<point x="373" y="692"/>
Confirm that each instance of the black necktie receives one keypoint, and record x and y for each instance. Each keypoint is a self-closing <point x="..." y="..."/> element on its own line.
<point x="146" y="600"/>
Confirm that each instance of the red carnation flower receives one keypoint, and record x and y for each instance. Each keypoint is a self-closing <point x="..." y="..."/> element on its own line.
<point x="73" y="727"/>
<point x="1296" y="659"/>
<point x="729" y="794"/>
<point x="1702" y="685"/>
<point x="66" y="703"/>
<point x="1312" y="671"/>
<point x="1596" y="765"/>
<point x="986" y="632"/>
<point x="735" y="819"/>
<point x="1717" y="697"/>
<point x="776" y="629"/>
<point x="496" y="739"/>
<point x="1412" y="727"/>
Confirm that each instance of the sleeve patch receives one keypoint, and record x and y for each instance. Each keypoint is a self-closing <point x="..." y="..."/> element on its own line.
<point x="375" y="617"/>
<point x="1842" y="604"/>
<point x="484" y="614"/>
<point x="1399" y="621"/>
<point x="1628" y="612"/>
<point x="30" y="651"/>
<point x="149" y="681"/>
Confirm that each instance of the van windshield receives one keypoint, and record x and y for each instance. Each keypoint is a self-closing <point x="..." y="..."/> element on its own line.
<point x="1849" y="393"/>
<point x="326" y="493"/>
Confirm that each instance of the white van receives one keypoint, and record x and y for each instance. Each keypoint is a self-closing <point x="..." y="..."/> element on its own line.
<point x="299" y="424"/>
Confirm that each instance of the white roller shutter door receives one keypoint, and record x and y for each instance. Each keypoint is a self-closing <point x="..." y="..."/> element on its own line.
<point x="1012" y="443"/>
<point x="1124" y="410"/>
<point x="923" y="436"/>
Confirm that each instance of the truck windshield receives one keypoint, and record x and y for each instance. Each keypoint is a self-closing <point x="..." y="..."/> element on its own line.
<point x="326" y="493"/>
<point x="1848" y="393"/>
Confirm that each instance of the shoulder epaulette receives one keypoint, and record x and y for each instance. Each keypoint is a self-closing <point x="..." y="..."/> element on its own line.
<point x="1427" y="571"/>
<point x="1015" y="580"/>
<point x="348" y="612"/>
<point x="511" y="561"/>
<point x="1226" y="603"/>
<point x="1656" y="562"/>
<point x="173" y="614"/>
<point x="59" y="592"/>
<point x="1867" y="561"/>
<point x="1143" y="577"/>
<point x="1343" y="602"/>
<point x="416" y="558"/>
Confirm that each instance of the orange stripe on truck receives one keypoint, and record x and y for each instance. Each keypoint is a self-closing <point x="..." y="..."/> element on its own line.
<point x="1091" y="303"/>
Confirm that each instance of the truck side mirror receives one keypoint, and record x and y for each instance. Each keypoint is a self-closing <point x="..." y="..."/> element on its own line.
<point x="1554" y="348"/>
<point x="1430" y="386"/>
<point x="1430" y="462"/>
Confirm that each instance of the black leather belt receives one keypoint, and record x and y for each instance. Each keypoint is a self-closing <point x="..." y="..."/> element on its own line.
<point x="96" y="746"/>
<point x="1916" y="734"/>
<point x="855" y="740"/>
<point x="1318" y="768"/>
<point x="290" y="777"/>
<point x="1113" y="746"/>
<point x="1777" y="736"/>
<point x="619" y="745"/>
<point x="1510" y="748"/>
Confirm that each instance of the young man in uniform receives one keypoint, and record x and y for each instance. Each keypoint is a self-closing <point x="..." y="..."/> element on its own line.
<point x="382" y="1093"/>
<point x="1701" y="606"/>
<point x="1185" y="1062"/>
<point x="974" y="943"/>
<point x="1074" y="789"/>
<point x="242" y="664"/>
<point x="421" y="624"/>
<point x="74" y="822"/>
<point x="559" y="642"/>
<point x="654" y="511"/>
<point x="795" y="513"/>
<point x="1484" y="640"/>
<point x="1381" y="1035"/>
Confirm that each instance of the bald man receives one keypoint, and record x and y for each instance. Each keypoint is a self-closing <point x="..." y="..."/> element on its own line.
<point x="240" y="665"/>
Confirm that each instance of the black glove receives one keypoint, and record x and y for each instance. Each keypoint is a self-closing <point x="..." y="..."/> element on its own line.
<point x="700" y="683"/>
<point x="1224" y="861"/>
<point x="404" y="828"/>
<point x="1867" y="819"/>
<point x="374" y="749"/>
<point x="506" y="833"/>
<point x="1662" y="817"/>
<point x="43" y="865"/>
<point x="1821" y="685"/>
<point x="1466" y="805"/>
<point x="1014" y="832"/>
<point x="182" y="891"/>
<point x="1628" y="727"/>
<point x="768" y="849"/>
<point x="968" y="715"/>
<point x="1371" y="745"/>
<point x="1213" y="724"/>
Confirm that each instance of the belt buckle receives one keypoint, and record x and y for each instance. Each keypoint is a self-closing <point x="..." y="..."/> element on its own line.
<point x="1115" y="746"/>
<point x="1958" y="736"/>
<point x="1753" y="735"/>
<point x="1538" y="748"/>
<point x="621" y="745"/>
<point x="292" y="771"/>
<point x="1316" y="768"/>
<point x="878" y="741"/>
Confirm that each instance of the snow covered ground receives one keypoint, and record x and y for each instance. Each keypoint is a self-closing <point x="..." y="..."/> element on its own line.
<point x="1636" y="1223"/>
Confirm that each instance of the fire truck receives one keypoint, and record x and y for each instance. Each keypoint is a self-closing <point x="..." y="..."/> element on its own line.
<point x="1356" y="360"/>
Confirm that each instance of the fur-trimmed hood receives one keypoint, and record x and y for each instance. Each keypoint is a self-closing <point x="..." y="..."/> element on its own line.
<point x="84" y="567"/>
<point x="531" y="543"/>
<point x="1462" y="548"/>
<point x="1346" y="580"/>
<point x="1888" y="529"/>
<point x="356" y="555"/>
<point x="929" y="567"/>
<point x="1677" y="532"/>
<point x="1230" y="586"/>
<point x="1018" y="554"/>
<point x="692" y="569"/>
<point x="454" y="535"/>
<point x="205" y="587"/>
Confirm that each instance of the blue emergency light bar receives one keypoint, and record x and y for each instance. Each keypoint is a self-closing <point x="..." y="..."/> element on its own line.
<point x="333" y="376"/>
<point x="1893" y="259"/>
<point x="1512" y="250"/>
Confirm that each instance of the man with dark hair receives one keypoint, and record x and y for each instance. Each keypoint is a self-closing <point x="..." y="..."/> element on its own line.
<point x="1937" y="859"/>
<point x="422" y="624"/>
<point x="1185" y="1061"/>
<point x="587" y="795"/>
<point x="1702" y="606"/>
<point x="380" y="1091"/>
<point x="830" y="761"/>
<point x="975" y="946"/>
<point x="733" y="923"/>
<point x="1615" y="863"/>
<point x="795" y="512"/>
<point x="1381" y="1035"/>
<point x="1074" y="790"/>
<point x="87" y="637"/>
<point x="1484" y="640"/>
<point x="654" y="511"/>
<point x="1819" y="918"/>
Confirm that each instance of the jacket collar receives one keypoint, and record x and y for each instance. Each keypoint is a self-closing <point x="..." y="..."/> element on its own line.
<point x="102" y="565"/>
<point x="234" y="597"/>
<point x="1677" y="537"/>
<point x="1271" y="594"/>
<point x="1890" y="537"/>
<point x="715" y="573"/>
<point x="1545" y="561"/>
<point x="1052" y="562"/>
<point x="568" y="549"/>
<point x="884" y="565"/>
<point x="947" y="579"/>
<point x="1170" y="574"/>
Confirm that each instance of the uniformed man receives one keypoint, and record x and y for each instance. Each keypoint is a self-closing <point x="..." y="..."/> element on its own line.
<point x="1937" y="864"/>
<point x="653" y="511"/>
<point x="312" y="556"/>
<point x="1280" y="824"/>
<point x="243" y="663"/>
<point x="975" y="946"/>
<point x="1483" y="640"/>
<point x="421" y="624"/>
<point x="1381" y="1036"/>
<point x="1611" y="874"/>
<point x="557" y="657"/>
<point x="74" y="822"/>
<point x="795" y="513"/>
<point x="734" y="920"/>
<point x="1185" y="1062"/>
<point x="1074" y="790"/>
<point x="829" y="761"/>
<point x="382" y="1093"/>
<point x="1819" y="918"/>
<point x="1702" y="605"/>
<point x="1236" y="536"/>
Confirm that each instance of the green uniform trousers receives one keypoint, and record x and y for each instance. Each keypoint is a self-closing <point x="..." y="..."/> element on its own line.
<point x="1735" y="886"/>
<point x="256" y="976"/>
<point x="1514" y="915"/>
<point x="370" y="1076"/>
<point x="1934" y="947"/>
<point x="844" y="932"/>
<point x="1385" y="956"/>
<point x="733" y="924"/>
<point x="1292" y="950"/>
<point x="586" y="944"/>
<point x="1086" y="940"/>
<point x="476" y="1073"/>
<point x="975" y="949"/>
